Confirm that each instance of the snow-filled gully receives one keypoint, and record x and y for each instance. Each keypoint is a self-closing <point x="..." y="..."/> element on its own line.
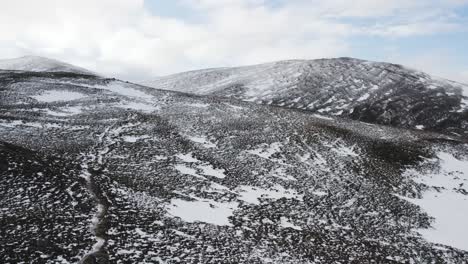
<point x="91" y="168"/>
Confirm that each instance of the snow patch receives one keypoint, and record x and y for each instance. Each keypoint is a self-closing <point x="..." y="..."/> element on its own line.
<point x="448" y="207"/>
<point x="66" y="111"/>
<point x="285" y="223"/>
<point x="363" y="97"/>
<point x="210" y="171"/>
<point x="122" y="89"/>
<point x="343" y="150"/>
<point x="11" y="124"/>
<point x="133" y="139"/>
<point x="189" y="171"/>
<point x="138" y="106"/>
<point x="58" y="95"/>
<point x="322" y="117"/>
<point x="198" y="105"/>
<point x="281" y="174"/>
<point x="187" y="158"/>
<point x="202" y="210"/>
<point x="252" y="194"/>
<point x="319" y="193"/>
<point x="202" y="140"/>
<point x="266" y="152"/>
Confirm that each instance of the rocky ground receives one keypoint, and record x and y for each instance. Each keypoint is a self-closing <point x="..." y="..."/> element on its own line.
<point x="97" y="170"/>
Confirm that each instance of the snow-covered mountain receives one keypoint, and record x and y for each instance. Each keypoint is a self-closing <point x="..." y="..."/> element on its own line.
<point x="40" y="64"/>
<point x="374" y="92"/>
<point x="103" y="171"/>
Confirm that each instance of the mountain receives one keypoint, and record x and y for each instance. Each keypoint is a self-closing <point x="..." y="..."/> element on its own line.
<point x="97" y="170"/>
<point x="374" y="92"/>
<point x="40" y="64"/>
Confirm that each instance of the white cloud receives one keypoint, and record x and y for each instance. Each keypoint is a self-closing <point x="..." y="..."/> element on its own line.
<point x="463" y="76"/>
<point x="122" y="37"/>
<point x="413" y="29"/>
<point x="382" y="8"/>
<point x="438" y="62"/>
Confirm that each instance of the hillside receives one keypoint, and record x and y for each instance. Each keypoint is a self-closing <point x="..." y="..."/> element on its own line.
<point x="373" y="92"/>
<point x="40" y="64"/>
<point x="99" y="170"/>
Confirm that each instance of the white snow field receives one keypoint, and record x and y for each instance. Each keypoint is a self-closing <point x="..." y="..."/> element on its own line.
<point x="448" y="207"/>
<point x="58" y="95"/>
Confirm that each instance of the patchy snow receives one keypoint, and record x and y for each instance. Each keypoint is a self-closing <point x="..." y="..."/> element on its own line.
<point x="234" y="106"/>
<point x="319" y="193"/>
<point x="141" y="232"/>
<point x="446" y="205"/>
<point x="198" y="105"/>
<point x="286" y="223"/>
<point x="343" y="150"/>
<point x="189" y="171"/>
<point x="202" y="140"/>
<point x="281" y="174"/>
<point x="267" y="151"/>
<point x="160" y="157"/>
<point x="39" y="64"/>
<point x="420" y="127"/>
<point x="320" y="162"/>
<point x="218" y="188"/>
<point x="363" y="97"/>
<point x="322" y="117"/>
<point x="58" y="95"/>
<point x="133" y="139"/>
<point x="66" y="111"/>
<point x="260" y="79"/>
<point x="125" y="252"/>
<point x="139" y="106"/>
<point x="338" y="113"/>
<point x="95" y="222"/>
<point x="11" y="124"/>
<point x="464" y="101"/>
<point x="187" y="158"/>
<point x="126" y="90"/>
<point x="210" y="171"/>
<point x="139" y="199"/>
<point x="135" y="99"/>
<point x="18" y="123"/>
<point x="182" y="234"/>
<point x="202" y="210"/>
<point x="251" y="194"/>
<point x="100" y="208"/>
<point x="217" y="213"/>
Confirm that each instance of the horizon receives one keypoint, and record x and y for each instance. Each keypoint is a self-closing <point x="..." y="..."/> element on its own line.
<point x="220" y="67"/>
<point x="142" y="40"/>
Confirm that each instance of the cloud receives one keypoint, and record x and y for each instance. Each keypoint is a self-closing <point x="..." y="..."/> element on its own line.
<point x="413" y="29"/>
<point x="124" y="38"/>
<point x="382" y="8"/>
<point x="463" y="76"/>
<point x="438" y="62"/>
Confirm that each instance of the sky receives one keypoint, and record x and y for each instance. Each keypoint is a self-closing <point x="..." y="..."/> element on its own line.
<point x="141" y="39"/>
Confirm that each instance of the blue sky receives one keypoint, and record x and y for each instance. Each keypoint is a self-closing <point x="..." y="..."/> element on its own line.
<point x="141" y="39"/>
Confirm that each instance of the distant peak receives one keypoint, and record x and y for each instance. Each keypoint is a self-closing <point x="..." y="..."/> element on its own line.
<point x="40" y="64"/>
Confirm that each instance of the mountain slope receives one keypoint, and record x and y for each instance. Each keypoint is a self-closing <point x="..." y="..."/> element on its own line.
<point x="40" y="64"/>
<point x="373" y="92"/>
<point x="96" y="169"/>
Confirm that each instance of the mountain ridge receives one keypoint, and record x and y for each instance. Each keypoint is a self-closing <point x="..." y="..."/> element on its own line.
<point x="374" y="92"/>
<point x="40" y="64"/>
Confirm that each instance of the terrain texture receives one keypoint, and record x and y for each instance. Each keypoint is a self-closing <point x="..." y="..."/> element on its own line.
<point x="97" y="170"/>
